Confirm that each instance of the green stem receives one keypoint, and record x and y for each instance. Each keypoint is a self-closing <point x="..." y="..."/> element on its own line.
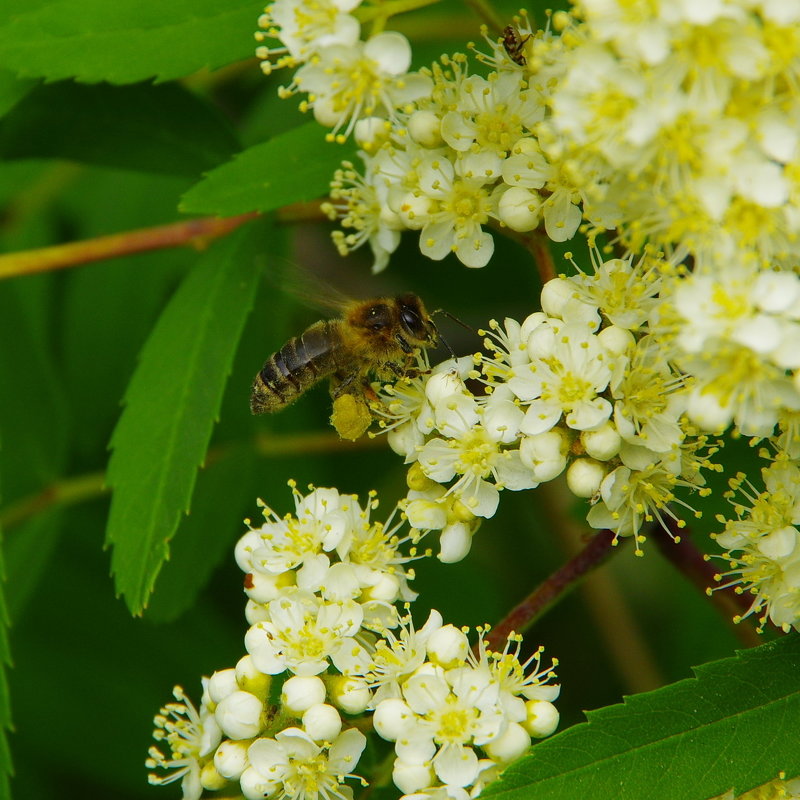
<point x="65" y="492"/>
<point x="69" y="491"/>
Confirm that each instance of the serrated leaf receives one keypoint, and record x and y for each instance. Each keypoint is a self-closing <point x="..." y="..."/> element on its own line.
<point x="733" y="726"/>
<point x="126" y="41"/>
<point x="171" y="404"/>
<point x="295" y="166"/>
<point x="163" y="129"/>
<point x="205" y="537"/>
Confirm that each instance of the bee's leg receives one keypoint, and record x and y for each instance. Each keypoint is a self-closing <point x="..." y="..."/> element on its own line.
<point x="354" y="383"/>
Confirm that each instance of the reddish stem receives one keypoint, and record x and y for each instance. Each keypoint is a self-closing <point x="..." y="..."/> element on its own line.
<point x="196" y="232"/>
<point x="563" y="580"/>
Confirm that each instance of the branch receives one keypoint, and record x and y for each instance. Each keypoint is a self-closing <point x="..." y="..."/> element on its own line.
<point x="195" y="233"/>
<point x="562" y="581"/>
<point x="69" y="491"/>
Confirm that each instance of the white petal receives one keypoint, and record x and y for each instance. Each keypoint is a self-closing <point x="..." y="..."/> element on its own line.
<point x="391" y="51"/>
<point x="456" y="765"/>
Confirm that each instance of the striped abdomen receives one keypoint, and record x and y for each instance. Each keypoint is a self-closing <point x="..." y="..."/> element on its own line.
<point x="297" y="366"/>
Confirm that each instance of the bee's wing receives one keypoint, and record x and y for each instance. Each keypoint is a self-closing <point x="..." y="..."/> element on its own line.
<point x="310" y="289"/>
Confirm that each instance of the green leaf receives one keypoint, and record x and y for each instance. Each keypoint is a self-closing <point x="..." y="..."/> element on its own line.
<point x="205" y="537"/>
<point x="12" y="90"/>
<point x="144" y="127"/>
<point x="295" y="166"/>
<point x="733" y="726"/>
<point x="172" y="402"/>
<point x="126" y="41"/>
<point x="6" y="767"/>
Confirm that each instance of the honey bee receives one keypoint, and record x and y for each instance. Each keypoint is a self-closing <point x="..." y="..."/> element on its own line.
<point x="377" y="336"/>
<point x="514" y="45"/>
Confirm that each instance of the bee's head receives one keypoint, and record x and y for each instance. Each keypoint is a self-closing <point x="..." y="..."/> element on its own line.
<point x="415" y="321"/>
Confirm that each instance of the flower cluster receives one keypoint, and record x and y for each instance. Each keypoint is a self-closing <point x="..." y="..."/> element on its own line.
<point x="582" y="388"/>
<point x="331" y="639"/>
<point x="763" y="543"/>
<point x="700" y="102"/>
<point x="345" y="78"/>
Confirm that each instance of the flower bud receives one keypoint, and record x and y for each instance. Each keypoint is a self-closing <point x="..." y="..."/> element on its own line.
<point x="556" y="293"/>
<point x="426" y="514"/>
<point x="230" y="759"/>
<point x="542" y="718"/>
<point x="300" y="692"/>
<point x="584" y="477"/>
<point x="221" y="684"/>
<point x="385" y="590"/>
<point x="417" y="480"/>
<point x="520" y="209"/>
<point x="351" y="695"/>
<point x="262" y="587"/>
<point x="239" y="715"/>
<point x="256" y="612"/>
<point x="322" y="722"/>
<point x="244" y="548"/>
<point x="616" y="340"/>
<point x="255" y="786"/>
<point x="371" y="132"/>
<point x="390" y="718"/>
<point x="425" y="128"/>
<point x="250" y="679"/>
<point x="511" y="744"/>
<point x="410" y="778"/>
<point x="602" y="444"/>
<point x="455" y="542"/>
<point x="544" y="454"/>
<point x="210" y="778"/>
<point x="448" y="647"/>
<point x="443" y="385"/>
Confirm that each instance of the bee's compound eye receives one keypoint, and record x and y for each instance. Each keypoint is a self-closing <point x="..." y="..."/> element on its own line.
<point x="410" y="319"/>
<point x="377" y="318"/>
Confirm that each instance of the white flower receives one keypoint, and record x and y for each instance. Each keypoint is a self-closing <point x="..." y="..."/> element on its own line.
<point x="362" y="79"/>
<point x="304" y="27"/>
<point x="321" y="520"/>
<point x="294" y="765"/>
<point x="192" y="736"/>
<point x="491" y="114"/>
<point x="361" y="203"/>
<point x="302" y="636"/>
<point x="764" y="545"/>
<point x="396" y="656"/>
<point x="474" y="453"/>
<point x="629" y="497"/>
<point x="568" y="370"/>
<point x="453" y="711"/>
<point x="649" y="399"/>
<point x="528" y="167"/>
<point x="452" y="202"/>
<point x="625" y="292"/>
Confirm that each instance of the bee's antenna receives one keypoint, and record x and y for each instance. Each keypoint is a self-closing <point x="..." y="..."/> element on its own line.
<point x="455" y="319"/>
